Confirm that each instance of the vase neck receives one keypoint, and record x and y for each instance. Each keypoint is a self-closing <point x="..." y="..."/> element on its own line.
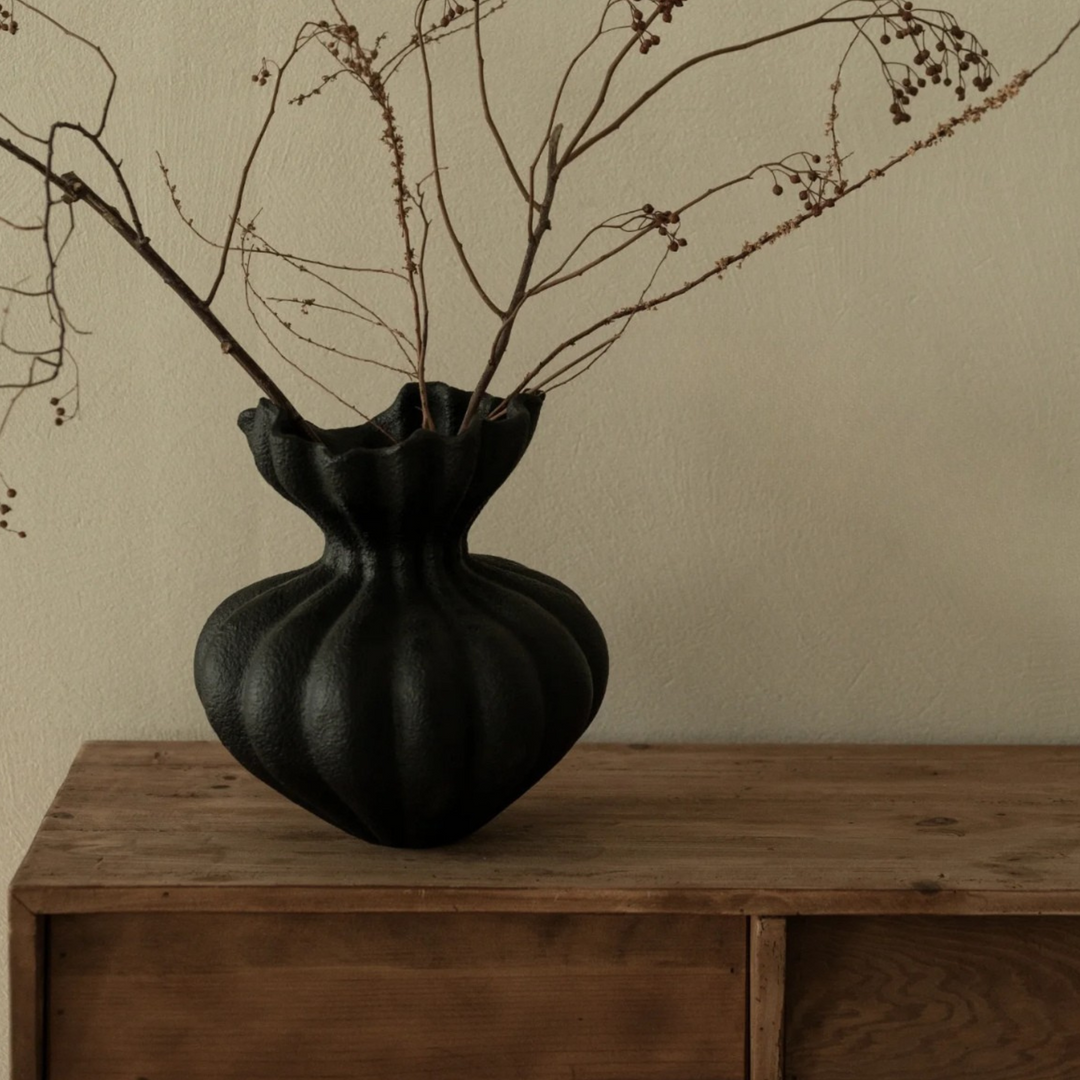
<point x="398" y="558"/>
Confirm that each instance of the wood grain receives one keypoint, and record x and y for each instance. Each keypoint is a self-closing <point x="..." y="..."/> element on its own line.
<point x="26" y="949"/>
<point x="768" y="949"/>
<point x="911" y="998"/>
<point x="367" y="997"/>
<point x="760" y="830"/>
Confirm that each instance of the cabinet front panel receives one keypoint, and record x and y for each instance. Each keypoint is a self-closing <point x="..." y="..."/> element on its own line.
<point x="173" y="996"/>
<point x="921" y="997"/>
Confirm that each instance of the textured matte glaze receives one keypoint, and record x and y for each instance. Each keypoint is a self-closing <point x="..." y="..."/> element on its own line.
<point x="401" y="688"/>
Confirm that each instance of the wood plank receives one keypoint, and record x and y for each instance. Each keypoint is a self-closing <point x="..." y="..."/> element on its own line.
<point x="719" y="902"/>
<point x="908" y="998"/>
<point x="26" y="951"/>
<point x="756" y="829"/>
<point x="365" y="997"/>
<point x="768" y="948"/>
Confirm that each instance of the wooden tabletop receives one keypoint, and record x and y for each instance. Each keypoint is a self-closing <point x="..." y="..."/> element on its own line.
<point x="767" y="830"/>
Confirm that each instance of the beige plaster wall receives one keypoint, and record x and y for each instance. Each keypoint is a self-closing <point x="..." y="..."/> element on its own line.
<point x="834" y="497"/>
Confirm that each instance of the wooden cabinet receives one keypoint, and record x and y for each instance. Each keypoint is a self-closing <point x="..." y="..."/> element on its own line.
<point x="646" y="913"/>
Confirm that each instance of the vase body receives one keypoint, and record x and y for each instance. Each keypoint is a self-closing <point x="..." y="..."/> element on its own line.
<point x="401" y="688"/>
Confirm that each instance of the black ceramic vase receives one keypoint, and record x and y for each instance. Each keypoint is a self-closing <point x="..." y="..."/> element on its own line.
<point x="401" y="687"/>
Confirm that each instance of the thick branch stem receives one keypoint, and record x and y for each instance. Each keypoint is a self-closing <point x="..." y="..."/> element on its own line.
<point x="76" y="190"/>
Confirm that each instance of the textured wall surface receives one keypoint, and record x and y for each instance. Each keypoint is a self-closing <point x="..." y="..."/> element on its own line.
<point x="833" y="497"/>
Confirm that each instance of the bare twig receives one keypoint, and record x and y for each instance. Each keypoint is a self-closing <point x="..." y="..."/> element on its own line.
<point x="650" y="223"/>
<point x="553" y="117"/>
<point x="605" y="86"/>
<point x="434" y="36"/>
<point x="104" y="118"/>
<point x="360" y="61"/>
<point x="567" y="373"/>
<point x="972" y="114"/>
<point x="76" y="190"/>
<point x="306" y="305"/>
<point x="433" y="143"/>
<point x="248" y="293"/>
<point x="302" y="38"/>
<point x="21" y="228"/>
<point x="113" y="164"/>
<point x="944" y="53"/>
<point x="249" y="229"/>
<point x="1060" y="45"/>
<point x="502" y="338"/>
<point x="492" y="126"/>
<point x="581" y="144"/>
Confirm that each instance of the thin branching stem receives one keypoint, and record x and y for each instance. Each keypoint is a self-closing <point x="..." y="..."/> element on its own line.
<point x="583" y="145"/>
<point x="110" y="93"/>
<point x="496" y="134"/>
<point x="559" y="93"/>
<point x="433" y="143"/>
<point x="502" y="338"/>
<point x="76" y="190"/>
<point x="570" y="151"/>
<point x="302" y="38"/>
<point x="306" y="305"/>
<point x="972" y="114"/>
<point x="368" y="314"/>
<point x="249" y="292"/>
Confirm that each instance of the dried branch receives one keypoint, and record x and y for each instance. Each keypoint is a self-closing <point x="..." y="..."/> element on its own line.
<point x="628" y="220"/>
<point x="306" y="305"/>
<point x="433" y="143"/>
<point x="190" y="223"/>
<point x="360" y="62"/>
<point x="944" y="55"/>
<point x="638" y="36"/>
<point x="77" y="191"/>
<point x="113" y="164"/>
<point x="303" y="37"/>
<point x="492" y="126"/>
<point x="588" y="359"/>
<point x="435" y="34"/>
<point x="502" y="338"/>
<point x="648" y="220"/>
<point x="1057" y="49"/>
<point x="21" y="228"/>
<point x="417" y="200"/>
<point x="249" y="292"/>
<point x="972" y="114"/>
<point x="107" y="105"/>
<point x="553" y="117"/>
<point x="581" y="144"/>
<point x="367" y="313"/>
<point x="578" y="367"/>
